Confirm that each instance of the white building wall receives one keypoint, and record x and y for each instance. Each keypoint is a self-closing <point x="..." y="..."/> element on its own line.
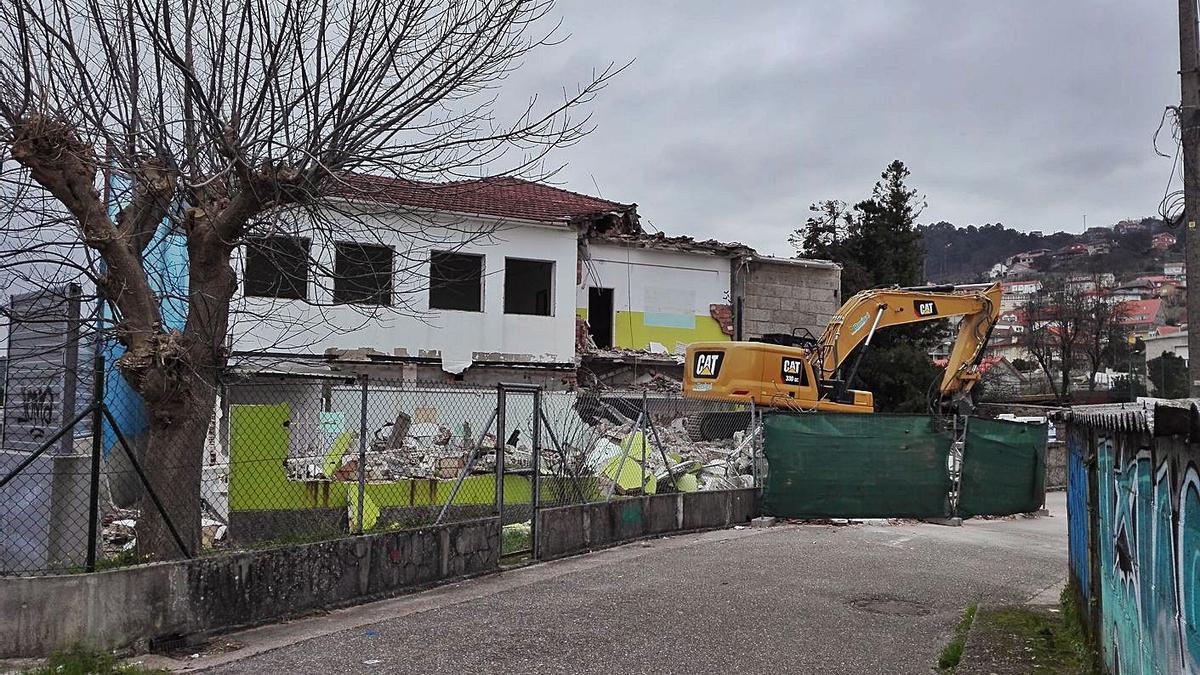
<point x="1175" y="344"/>
<point x="409" y="327"/>
<point x="650" y="280"/>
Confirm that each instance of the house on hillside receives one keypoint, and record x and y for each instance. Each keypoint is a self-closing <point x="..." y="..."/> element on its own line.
<point x="1172" y="342"/>
<point x="1141" y="317"/>
<point x="1018" y="293"/>
<point x="1162" y="285"/>
<point x="1019" y="270"/>
<point x="1084" y="283"/>
<point x="1007" y="340"/>
<point x="1026" y="257"/>
<point x="502" y="279"/>
<point x="1162" y="241"/>
<point x="1176" y="269"/>
<point x="1129" y="226"/>
<point x="1071" y="251"/>
<point x="999" y="379"/>
<point x="1138" y="290"/>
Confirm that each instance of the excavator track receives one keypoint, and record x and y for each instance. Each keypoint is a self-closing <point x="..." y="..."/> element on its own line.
<point x="716" y="426"/>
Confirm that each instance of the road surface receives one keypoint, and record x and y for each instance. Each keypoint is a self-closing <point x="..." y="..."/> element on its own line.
<point x="789" y="599"/>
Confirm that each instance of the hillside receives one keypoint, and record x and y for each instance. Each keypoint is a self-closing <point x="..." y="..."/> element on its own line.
<point x="965" y="254"/>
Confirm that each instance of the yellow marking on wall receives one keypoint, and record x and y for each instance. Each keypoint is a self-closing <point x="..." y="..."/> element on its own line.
<point x="633" y="333"/>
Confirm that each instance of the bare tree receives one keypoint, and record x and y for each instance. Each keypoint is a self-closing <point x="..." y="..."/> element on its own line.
<point x="1069" y="324"/>
<point x="1054" y="333"/>
<point x="1103" y="333"/>
<point x="235" y="119"/>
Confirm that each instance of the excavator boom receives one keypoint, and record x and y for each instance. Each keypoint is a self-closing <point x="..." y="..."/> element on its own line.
<point x="871" y="310"/>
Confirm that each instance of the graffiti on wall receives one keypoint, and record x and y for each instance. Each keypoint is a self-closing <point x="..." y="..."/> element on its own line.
<point x="1149" y="566"/>
<point x="1077" y="512"/>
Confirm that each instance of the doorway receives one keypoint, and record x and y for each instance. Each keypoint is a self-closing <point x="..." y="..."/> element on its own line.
<point x="600" y="316"/>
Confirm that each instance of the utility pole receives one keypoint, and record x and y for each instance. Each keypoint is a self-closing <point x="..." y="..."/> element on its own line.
<point x="1189" y="125"/>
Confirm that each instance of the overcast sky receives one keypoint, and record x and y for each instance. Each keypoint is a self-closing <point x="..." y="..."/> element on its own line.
<point x="735" y="116"/>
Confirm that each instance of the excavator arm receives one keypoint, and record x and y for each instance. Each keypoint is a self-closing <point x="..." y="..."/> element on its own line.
<point x="862" y="315"/>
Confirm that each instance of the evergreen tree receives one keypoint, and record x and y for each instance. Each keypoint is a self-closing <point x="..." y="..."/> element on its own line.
<point x="1169" y="375"/>
<point x="824" y="232"/>
<point x="881" y="246"/>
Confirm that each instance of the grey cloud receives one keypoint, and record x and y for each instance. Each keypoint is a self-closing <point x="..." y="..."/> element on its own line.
<point x="735" y="115"/>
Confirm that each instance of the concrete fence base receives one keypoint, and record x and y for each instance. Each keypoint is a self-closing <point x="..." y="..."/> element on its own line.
<point x="571" y="529"/>
<point x="131" y="606"/>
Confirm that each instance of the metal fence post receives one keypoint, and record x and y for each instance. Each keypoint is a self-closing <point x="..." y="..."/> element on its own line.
<point x="754" y="429"/>
<point x="536" y="500"/>
<point x="645" y="439"/>
<point x="501" y="429"/>
<point x="362" y="452"/>
<point x="97" y="448"/>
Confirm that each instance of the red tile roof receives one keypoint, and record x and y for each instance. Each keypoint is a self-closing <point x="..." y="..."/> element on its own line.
<point x="502" y="196"/>
<point x="1139" y="311"/>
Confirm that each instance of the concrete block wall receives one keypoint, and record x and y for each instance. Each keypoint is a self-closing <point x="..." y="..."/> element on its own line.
<point x="780" y="296"/>
<point x="127" y="607"/>
<point x="571" y="529"/>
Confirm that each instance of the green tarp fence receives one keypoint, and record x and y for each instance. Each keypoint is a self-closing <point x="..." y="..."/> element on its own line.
<point x="828" y="465"/>
<point x="1004" y="468"/>
<point x="855" y="466"/>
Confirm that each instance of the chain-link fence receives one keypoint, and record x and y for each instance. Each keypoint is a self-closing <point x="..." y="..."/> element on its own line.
<point x="301" y="459"/>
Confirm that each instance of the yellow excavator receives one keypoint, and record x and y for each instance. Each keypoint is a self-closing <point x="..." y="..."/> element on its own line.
<point x="800" y="372"/>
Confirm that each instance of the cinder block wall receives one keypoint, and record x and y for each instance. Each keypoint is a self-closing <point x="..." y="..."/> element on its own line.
<point x="778" y="297"/>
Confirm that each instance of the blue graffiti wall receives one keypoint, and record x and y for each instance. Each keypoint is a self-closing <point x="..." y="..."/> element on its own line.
<point x="1077" y="512"/>
<point x="1149" y="554"/>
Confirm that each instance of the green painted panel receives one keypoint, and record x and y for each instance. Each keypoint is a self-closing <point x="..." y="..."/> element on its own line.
<point x="258" y="479"/>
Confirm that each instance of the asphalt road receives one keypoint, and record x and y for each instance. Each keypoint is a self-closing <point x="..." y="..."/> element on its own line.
<point x="791" y="599"/>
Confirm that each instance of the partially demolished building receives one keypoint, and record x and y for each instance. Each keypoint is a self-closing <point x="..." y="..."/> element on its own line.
<point x="474" y="284"/>
<point x="482" y="292"/>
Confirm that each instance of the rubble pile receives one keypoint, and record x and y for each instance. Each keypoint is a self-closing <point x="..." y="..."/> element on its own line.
<point x="426" y="451"/>
<point x="118" y="532"/>
<point x="688" y="464"/>
<point x="437" y="452"/>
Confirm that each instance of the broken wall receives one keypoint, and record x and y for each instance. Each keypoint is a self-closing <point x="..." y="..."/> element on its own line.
<point x="779" y="295"/>
<point x="659" y="296"/>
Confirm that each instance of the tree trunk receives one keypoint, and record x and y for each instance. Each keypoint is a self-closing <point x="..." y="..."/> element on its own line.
<point x="182" y="408"/>
<point x="173" y="463"/>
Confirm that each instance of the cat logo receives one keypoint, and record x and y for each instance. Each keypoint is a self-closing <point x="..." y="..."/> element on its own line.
<point x="708" y="365"/>
<point x="792" y="371"/>
<point x="925" y="307"/>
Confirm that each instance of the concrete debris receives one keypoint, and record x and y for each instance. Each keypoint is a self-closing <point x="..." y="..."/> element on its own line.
<point x="119" y="535"/>
<point x="688" y="465"/>
<point x="428" y="450"/>
<point x="621" y="354"/>
<point x="421" y="451"/>
<point x="211" y="532"/>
